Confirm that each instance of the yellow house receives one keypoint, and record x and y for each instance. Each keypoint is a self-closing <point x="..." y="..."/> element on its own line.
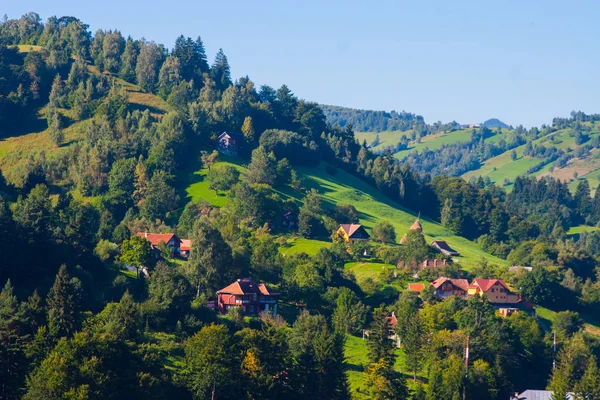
<point x="495" y="290"/>
<point x="351" y="233"/>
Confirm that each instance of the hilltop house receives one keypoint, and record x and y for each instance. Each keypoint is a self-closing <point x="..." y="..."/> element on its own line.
<point x="251" y="297"/>
<point x="495" y="290"/>
<point x="230" y="142"/>
<point x="444" y="248"/>
<point x="172" y="241"/>
<point x="351" y="233"/>
<point x="446" y="287"/>
<point x="416" y="226"/>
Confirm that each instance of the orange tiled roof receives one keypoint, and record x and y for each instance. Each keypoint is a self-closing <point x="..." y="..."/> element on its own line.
<point x="156" y="238"/>
<point x="416" y="287"/>
<point x="186" y="245"/>
<point x="246" y="286"/>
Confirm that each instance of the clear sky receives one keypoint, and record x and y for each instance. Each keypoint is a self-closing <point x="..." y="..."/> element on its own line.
<point x="522" y="61"/>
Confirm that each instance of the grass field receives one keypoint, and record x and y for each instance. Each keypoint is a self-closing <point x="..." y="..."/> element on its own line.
<point x="374" y="206"/>
<point x="434" y="142"/>
<point x="371" y="205"/>
<point x="195" y="186"/>
<point x="386" y="138"/>
<point x="357" y="361"/>
<point x="302" y="245"/>
<point x="591" y="325"/>
<point x="500" y="167"/>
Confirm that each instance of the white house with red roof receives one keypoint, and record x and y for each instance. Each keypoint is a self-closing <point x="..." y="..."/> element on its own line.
<point x="253" y="298"/>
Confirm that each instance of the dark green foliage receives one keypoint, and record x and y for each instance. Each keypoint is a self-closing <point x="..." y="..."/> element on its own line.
<point x="220" y="71"/>
<point x="160" y="197"/>
<point x="62" y="305"/>
<point x="318" y="354"/>
<point x="210" y="363"/>
<point x="209" y="269"/>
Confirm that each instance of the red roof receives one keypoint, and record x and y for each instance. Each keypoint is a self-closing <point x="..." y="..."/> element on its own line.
<point x="186" y="245"/>
<point x="416" y="287"/>
<point x="156" y="238"/>
<point x="486" y="284"/>
<point x="393" y="321"/>
<point x="459" y="283"/>
<point x="246" y="286"/>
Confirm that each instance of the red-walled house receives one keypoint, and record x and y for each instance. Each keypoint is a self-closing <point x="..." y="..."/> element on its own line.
<point x="252" y="297"/>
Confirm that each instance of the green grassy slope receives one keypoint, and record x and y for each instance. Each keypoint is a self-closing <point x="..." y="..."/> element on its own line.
<point x="500" y="167"/>
<point x="386" y="138"/>
<point x="434" y="142"/>
<point x="371" y="205"/>
<point x="374" y="206"/>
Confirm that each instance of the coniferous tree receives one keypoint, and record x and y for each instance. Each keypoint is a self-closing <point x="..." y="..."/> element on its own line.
<point x="220" y="71"/>
<point x="588" y="387"/>
<point x="412" y="342"/>
<point x="129" y="61"/>
<point x="210" y="268"/>
<point x="380" y="346"/>
<point x="12" y="360"/>
<point x="62" y="305"/>
<point x="583" y="201"/>
<point x="595" y="208"/>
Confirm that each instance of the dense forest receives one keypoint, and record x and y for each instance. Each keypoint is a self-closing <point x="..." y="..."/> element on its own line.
<point x="90" y="310"/>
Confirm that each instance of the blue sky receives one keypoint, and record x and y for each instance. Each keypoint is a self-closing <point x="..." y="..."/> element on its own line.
<point x="520" y="61"/>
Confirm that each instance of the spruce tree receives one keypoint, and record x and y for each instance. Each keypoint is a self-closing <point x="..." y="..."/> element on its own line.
<point x="62" y="305"/>
<point x="412" y="342"/>
<point x="12" y="361"/>
<point x="380" y="345"/>
<point x="588" y="387"/>
<point x="595" y="208"/>
<point x="220" y="71"/>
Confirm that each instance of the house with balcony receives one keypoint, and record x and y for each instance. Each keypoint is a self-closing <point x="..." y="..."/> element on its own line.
<point x="446" y="287"/>
<point x="253" y="298"/>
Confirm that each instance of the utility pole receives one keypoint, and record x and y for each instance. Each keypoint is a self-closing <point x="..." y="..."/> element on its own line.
<point x="554" y="352"/>
<point x="464" y="394"/>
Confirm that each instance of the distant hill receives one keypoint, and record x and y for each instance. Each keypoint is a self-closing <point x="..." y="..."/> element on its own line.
<point x="371" y="120"/>
<point x="494" y="123"/>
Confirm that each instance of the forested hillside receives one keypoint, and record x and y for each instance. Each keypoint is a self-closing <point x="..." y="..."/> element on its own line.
<point x="108" y="142"/>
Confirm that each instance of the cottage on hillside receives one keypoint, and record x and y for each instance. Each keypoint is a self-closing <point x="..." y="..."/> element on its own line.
<point x="495" y="290"/>
<point x="230" y="142"/>
<point x="251" y="297"/>
<point x="352" y="233"/>
<point x="172" y="241"/>
<point x="444" y="248"/>
<point x="446" y="287"/>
